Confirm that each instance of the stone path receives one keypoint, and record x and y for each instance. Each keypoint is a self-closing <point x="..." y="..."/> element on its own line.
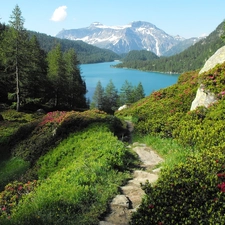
<point x="131" y="195"/>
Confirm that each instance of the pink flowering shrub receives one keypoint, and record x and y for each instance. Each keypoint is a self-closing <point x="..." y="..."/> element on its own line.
<point x="191" y="193"/>
<point x="13" y="192"/>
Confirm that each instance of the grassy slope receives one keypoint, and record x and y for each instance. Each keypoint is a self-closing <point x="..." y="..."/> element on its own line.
<point x="75" y="176"/>
<point x="192" y="190"/>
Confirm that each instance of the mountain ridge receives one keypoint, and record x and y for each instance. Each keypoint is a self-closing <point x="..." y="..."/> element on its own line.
<point x="137" y="35"/>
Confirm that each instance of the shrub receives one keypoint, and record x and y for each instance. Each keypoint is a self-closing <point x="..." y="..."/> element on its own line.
<point x="190" y="193"/>
<point x="77" y="179"/>
<point x="11" y="170"/>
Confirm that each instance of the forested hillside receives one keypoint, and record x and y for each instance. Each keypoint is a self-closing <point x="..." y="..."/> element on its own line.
<point x="190" y="59"/>
<point x="85" y="53"/>
<point x="31" y="77"/>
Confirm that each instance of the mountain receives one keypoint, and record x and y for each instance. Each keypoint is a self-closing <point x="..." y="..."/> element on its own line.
<point x="86" y="53"/>
<point x="137" y="35"/>
<point x="192" y="58"/>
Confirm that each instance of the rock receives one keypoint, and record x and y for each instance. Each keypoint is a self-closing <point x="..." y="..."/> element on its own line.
<point x="217" y="58"/>
<point x="147" y="156"/>
<point x="123" y="205"/>
<point x="1" y="117"/>
<point x="203" y="96"/>
<point x="122" y="107"/>
<point x="121" y="200"/>
<point x="41" y="111"/>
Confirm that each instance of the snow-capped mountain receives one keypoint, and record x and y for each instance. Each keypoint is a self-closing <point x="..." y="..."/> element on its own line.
<point x="122" y="39"/>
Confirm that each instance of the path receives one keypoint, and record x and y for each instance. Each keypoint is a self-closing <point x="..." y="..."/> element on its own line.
<point x="131" y="195"/>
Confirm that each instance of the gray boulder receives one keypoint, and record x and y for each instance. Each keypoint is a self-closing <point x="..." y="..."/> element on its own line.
<point x="203" y="96"/>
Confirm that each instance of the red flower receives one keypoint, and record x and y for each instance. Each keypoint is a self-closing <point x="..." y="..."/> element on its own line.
<point x="151" y="206"/>
<point x="3" y="208"/>
<point x="20" y="188"/>
<point x="221" y="186"/>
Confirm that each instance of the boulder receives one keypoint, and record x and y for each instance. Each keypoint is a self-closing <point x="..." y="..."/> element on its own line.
<point x="217" y="58"/>
<point x="40" y="111"/>
<point x="122" y="107"/>
<point x="203" y="96"/>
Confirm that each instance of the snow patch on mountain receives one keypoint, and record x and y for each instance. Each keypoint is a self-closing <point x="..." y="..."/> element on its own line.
<point x="137" y="35"/>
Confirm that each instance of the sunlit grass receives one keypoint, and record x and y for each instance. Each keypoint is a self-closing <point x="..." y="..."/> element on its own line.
<point x="168" y="149"/>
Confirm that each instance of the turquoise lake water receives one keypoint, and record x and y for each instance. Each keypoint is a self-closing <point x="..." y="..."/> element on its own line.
<point x="151" y="81"/>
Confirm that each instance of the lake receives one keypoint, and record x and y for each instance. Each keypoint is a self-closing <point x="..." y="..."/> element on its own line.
<point x="151" y="81"/>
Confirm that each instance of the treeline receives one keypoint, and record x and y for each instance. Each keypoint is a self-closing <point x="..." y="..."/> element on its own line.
<point x="192" y="58"/>
<point x="86" y="53"/>
<point x="109" y="99"/>
<point x="30" y="76"/>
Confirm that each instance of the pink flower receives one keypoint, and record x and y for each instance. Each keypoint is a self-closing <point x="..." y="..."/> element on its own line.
<point x="222" y="187"/>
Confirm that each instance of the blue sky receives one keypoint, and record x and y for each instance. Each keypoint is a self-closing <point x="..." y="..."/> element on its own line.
<point x="187" y="18"/>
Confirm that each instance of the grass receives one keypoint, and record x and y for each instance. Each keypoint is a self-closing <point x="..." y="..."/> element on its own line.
<point x="11" y="169"/>
<point x="11" y="123"/>
<point x="168" y="149"/>
<point x="77" y="179"/>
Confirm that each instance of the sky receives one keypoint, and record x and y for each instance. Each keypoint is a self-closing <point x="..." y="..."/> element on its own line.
<point x="187" y="18"/>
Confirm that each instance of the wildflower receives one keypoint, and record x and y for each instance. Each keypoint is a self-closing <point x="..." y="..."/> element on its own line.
<point x="222" y="187"/>
<point x="151" y="206"/>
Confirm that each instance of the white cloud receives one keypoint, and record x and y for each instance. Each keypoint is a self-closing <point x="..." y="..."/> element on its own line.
<point x="59" y="14"/>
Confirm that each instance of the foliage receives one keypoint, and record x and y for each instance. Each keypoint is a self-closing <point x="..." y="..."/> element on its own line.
<point x="11" y="170"/>
<point x="109" y="99"/>
<point x="86" y="53"/>
<point x="12" y="194"/>
<point x="82" y="174"/>
<point x="172" y="152"/>
<point x="160" y="113"/>
<point x="55" y="126"/>
<point x="14" y="50"/>
<point x="98" y="97"/>
<point x="191" y="193"/>
<point x="34" y="78"/>
<point x="141" y="55"/>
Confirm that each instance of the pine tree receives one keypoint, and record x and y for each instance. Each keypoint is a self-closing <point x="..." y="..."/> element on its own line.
<point x="76" y="85"/>
<point x="138" y="92"/>
<point x="110" y="98"/>
<point x="57" y="76"/>
<point x="98" y="97"/>
<point x="35" y="82"/>
<point x="14" y="52"/>
<point x="126" y="93"/>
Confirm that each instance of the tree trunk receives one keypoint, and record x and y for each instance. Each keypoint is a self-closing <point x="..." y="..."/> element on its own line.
<point x="17" y="90"/>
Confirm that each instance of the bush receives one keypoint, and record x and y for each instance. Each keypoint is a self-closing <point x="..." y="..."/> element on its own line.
<point x="77" y="179"/>
<point x="191" y="193"/>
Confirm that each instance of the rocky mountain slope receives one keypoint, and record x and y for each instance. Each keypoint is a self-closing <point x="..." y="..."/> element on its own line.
<point x="137" y="35"/>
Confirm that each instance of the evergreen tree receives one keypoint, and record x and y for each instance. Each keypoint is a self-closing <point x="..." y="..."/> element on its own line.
<point x="138" y="92"/>
<point x="35" y="82"/>
<point x="57" y="76"/>
<point x="76" y="85"/>
<point x="126" y="93"/>
<point x="3" y="78"/>
<point x="14" y="52"/>
<point x="110" y="98"/>
<point x="98" y="97"/>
